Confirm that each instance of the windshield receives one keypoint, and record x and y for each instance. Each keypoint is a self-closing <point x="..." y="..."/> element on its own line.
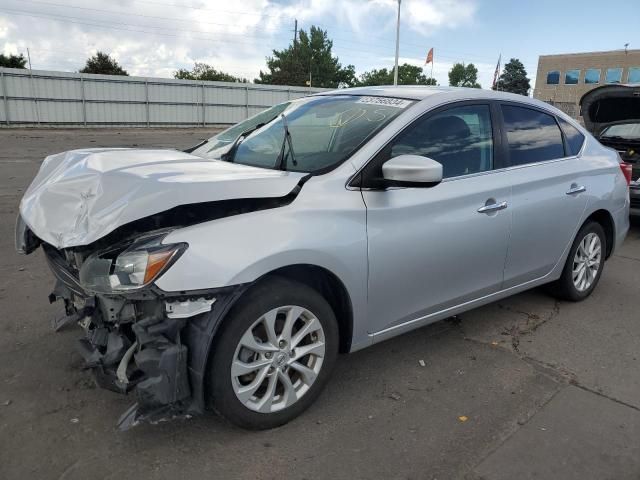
<point x="629" y="131"/>
<point x="323" y="132"/>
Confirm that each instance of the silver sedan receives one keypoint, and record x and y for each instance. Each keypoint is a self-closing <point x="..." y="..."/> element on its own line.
<point x="231" y="275"/>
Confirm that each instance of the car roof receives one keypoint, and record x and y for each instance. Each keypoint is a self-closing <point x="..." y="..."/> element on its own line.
<point x="421" y="92"/>
<point x="432" y="94"/>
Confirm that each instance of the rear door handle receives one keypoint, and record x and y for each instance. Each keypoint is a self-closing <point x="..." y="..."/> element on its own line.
<point x="576" y="189"/>
<point x="494" y="207"/>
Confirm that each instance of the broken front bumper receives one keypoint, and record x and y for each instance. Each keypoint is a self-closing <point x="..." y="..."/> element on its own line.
<point x="152" y="343"/>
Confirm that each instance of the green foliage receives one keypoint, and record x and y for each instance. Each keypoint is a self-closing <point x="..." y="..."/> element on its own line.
<point x="407" y="75"/>
<point x="464" y="76"/>
<point x="13" y="61"/>
<point x="310" y="56"/>
<point x="514" y="78"/>
<point x="101" y="63"/>
<point x="203" y="71"/>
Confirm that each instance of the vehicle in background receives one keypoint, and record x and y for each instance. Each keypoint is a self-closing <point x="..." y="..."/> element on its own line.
<point x="612" y="114"/>
<point x="231" y="275"/>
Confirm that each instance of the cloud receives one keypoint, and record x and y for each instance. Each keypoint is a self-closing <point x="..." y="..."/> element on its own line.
<point x="157" y="37"/>
<point x="4" y="28"/>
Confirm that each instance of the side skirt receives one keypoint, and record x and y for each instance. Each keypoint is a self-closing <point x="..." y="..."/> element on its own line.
<point x="395" y="330"/>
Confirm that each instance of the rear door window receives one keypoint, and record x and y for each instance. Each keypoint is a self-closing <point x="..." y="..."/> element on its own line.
<point x="532" y="136"/>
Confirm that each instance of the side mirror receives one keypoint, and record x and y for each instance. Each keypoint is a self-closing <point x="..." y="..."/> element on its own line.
<point x="411" y="171"/>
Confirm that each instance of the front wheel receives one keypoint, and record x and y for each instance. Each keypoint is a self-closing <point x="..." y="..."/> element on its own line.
<point x="584" y="264"/>
<point x="274" y="354"/>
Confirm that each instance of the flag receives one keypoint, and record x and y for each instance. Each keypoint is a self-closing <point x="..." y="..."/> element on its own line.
<point x="429" y="57"/>
<point x="497" y="72"/>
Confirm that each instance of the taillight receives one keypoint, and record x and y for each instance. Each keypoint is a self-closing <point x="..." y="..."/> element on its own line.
<point x="626" y="168"/>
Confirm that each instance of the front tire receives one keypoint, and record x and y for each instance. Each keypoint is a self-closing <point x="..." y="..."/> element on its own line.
<point x="584" y="264"/>
<point x="274" y="354"/>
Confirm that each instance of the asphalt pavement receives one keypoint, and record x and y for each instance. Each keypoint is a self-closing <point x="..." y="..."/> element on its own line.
<point x="525" y="388"/>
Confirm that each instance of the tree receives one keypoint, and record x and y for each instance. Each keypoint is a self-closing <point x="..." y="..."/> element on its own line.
<point x="308" y="58"/>
<point x="103" y="64"/>
<point x="13" y="61"/>
<point x="513" y="78"/>
<point x="407" y="75"/>
<point x="203" y="71"/>
<point x="464" y="76"/>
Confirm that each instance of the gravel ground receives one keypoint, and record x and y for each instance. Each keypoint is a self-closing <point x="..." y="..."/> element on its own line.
<point x="527" y="387"/>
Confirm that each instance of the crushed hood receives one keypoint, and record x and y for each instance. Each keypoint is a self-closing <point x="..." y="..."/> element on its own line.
<point x="608" y="105"/>
<point x="80" y="196"/>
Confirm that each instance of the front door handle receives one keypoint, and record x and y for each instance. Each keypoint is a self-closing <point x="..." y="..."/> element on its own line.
<point x="494" y="207"/>
<point x="575" y="188"/>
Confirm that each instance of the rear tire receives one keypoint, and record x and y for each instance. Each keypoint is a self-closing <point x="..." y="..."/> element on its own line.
<point x="274" y="354"/>
<point x="584" y="264"/>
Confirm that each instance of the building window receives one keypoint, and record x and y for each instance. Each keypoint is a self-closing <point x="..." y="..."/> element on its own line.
<point x="553" y="78"/>
<point x="614" y="75"/>
<point x="634" y="75"/>
<point x="592" y="75"/>
<point x="571" y="77"/>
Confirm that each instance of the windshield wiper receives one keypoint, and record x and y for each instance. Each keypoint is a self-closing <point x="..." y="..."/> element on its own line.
<point x="230" y="154"/>
<point x="619" y="138"/>
<point x="282" y="158"/>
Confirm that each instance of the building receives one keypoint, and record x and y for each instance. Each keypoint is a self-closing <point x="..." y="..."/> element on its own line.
<point x="563" y="79"/>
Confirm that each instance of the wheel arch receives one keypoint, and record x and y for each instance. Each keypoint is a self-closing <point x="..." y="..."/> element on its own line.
<point x="604" y="218"/>
<point x="330" y="287"/>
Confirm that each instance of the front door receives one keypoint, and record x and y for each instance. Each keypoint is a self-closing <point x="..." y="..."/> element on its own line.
<point x="434" y="248"/>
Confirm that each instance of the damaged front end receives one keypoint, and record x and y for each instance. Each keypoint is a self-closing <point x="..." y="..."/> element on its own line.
<point x="137" y="338"/>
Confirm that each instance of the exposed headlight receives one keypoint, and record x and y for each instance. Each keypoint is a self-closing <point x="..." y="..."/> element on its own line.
<point x="130" y="268"/>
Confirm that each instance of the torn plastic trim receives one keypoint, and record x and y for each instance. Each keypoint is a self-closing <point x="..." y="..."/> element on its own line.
<point x="164" y="398"/>
<point x="121" y="372"/>
<point x="25" y="240"/>
<point x="188" y="308"/>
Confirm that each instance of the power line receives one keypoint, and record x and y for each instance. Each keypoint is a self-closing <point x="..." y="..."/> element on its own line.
<point x="129" y="14"/>
<point x="120" y="25"/>
<point x="173" y="19"/>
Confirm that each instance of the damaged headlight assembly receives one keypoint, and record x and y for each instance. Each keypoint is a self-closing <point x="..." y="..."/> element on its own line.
<point x="130" y="268"/>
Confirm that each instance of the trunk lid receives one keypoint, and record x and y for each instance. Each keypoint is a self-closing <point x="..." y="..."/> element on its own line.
<point x="610" y="105"/>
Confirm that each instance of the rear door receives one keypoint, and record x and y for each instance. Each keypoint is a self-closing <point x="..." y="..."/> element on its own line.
<point x="549" y="190"/>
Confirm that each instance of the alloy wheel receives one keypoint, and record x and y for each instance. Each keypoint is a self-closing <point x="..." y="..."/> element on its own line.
<point x="278" y="359"/>
<point x="586" y="262"/>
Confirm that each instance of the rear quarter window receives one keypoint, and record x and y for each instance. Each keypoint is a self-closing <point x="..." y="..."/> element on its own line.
<point x="574" y="138"/>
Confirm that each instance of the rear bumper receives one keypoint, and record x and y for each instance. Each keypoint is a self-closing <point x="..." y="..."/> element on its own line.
<point x="634" y="198"/>
<point x="621" y="222"/>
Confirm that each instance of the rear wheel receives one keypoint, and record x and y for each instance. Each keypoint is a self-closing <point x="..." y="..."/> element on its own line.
<point x="274" y="354"/>
<point x="584" y="264"/>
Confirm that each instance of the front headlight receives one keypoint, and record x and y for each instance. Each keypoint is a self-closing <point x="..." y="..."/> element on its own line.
<point x="130" y="268"/>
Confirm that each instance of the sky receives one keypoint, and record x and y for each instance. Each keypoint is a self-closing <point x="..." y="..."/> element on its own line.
<point x="157" y="37"/>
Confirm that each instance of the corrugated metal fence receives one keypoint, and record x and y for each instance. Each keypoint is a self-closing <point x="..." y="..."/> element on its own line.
<point x="37" y="97"/>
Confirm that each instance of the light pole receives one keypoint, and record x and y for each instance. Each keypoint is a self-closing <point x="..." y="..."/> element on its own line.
<point x="395" y="70"/>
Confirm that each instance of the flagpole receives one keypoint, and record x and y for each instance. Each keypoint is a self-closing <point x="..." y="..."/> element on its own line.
<point x="431" y="67"/>
<point x="395" y="70"/>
